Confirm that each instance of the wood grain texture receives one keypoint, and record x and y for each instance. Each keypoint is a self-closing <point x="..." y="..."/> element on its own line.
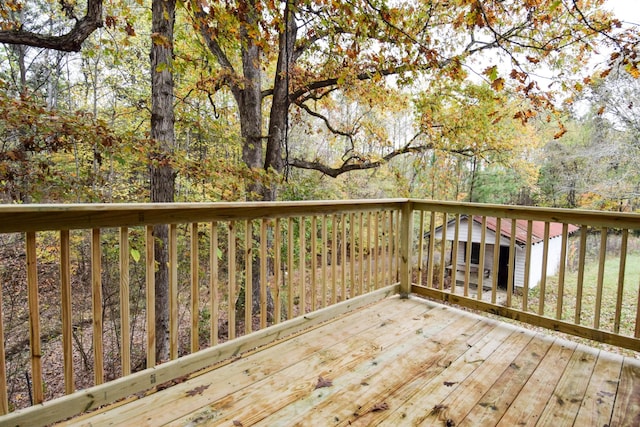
<point x="400" y="362"/>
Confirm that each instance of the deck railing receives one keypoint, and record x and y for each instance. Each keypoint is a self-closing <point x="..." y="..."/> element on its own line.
<point x="79" y="285"/>
<point x="89" y="275"/>
<point x="581" y="280"/>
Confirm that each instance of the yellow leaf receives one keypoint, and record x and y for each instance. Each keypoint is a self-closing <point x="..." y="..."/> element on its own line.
<point x="498" y="84"/>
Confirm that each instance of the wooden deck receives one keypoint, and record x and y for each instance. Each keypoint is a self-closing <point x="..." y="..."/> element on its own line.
<point x="401" y="362"/>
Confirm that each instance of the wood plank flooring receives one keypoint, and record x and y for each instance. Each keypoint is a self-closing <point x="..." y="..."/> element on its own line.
<point x="401" y="362"/>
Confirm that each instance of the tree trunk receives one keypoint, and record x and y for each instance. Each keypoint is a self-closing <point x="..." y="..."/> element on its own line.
<point x="162" y="183"/>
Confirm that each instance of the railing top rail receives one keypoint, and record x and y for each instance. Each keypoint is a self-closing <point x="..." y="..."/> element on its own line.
<point x="40" y="217"/>
<point x="568" y="216"/>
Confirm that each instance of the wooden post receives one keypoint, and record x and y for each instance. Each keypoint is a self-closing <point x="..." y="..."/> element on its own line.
<point x="621" y="271"/>
<point x="527" y="267"/>
<point x="334" y="259"/>
<point x="302" y="265"/>
<point x="496" y="257"/>
<point x="195" y="291"/>
<point x="248" y="276"/>
<point x="543" y="278"/>
<point x="151" y="296"/>
<point x="406" y="242"/>
<point x="65" y="301"/>
<point x="561" y="273"/>
<point x="96" y="286"/>
<point x="125" y="357"/>
<point x="599" y="285"/>
<point x="4" y="400"/>
<point x="454" y="254"/>
<point x="443" y="249"/>
<point x="173" y="291"/>
<point x="213" y="284"/>
<point x="483" y="241"/>
<point x="323" y="263"/>
<point x="263" y="273"/>
<point x="277" y="269"/>
<point x="431" y="252"/>
<point x="314" y="262"/>
<point x="580" y="280"/>
<point x="231" y="300"/>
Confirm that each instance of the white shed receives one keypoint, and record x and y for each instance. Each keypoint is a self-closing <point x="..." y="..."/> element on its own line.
<point x="537" y="240"/>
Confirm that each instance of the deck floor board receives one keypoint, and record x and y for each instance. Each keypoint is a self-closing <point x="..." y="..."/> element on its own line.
<point x="400" y="362"/>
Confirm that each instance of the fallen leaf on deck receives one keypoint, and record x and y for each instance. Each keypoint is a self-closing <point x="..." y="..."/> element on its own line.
<point x="323" y="382"/>
<point x="380" y="407"/>
<point x="197" y="390"/>
<point x="438" y="408"/>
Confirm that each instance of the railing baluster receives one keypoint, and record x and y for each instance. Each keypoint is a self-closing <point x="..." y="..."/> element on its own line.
<point x="34" y="318"/>
<point x="195" y="289"/>
<point x="431" y="250"/>
<point x="637" y="329"/>
<point x="366" y="249"/>
<point x="67" y="318"/>
<point x="334" y="259"/>
<point x="361" y="253"/>
<point x="543" y="275"/>
<point x="231" y="299"/>
<point x="496" y="258"/>
<point x="443" y="249"/>
<point x="352" y="257"/>
<point x="561" y="272"/>
<point x="214" y="299"/>
<point x="290" y="267"/>
<point x="396" y="234"/>
<point x="96" y="290"/>
<point x="580" y="279"/>
<point x="173" y="291"/>
<point x="343" y="257"/>
<point x="454" y="254"/>
<point x="4" y="397"/>
<point x="248" y="277"/>
<point x="376" y="246"/>
<point x="512" y="263"/>
<point x="600" y="282"/>
<point x="303" y="267"/>
<point x="263" y="273"/>
<point x="527" y="267"/>
<point x="483" y="239"/>
<point x="323" y="262"/>
<point x="420" y="270"/>
<point x="467" y="255"/>
<point x="125" y="346"/>
<point x="277" y="243"/>
<point x="150" y="277"/>
<point x="621" y="272"/>
<point x="314" y="262"/>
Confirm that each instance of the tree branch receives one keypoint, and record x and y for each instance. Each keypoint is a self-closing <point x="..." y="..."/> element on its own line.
<point x="69" y="42"/>
<point x="358" y="163"/>
<point x="325" y="120"/>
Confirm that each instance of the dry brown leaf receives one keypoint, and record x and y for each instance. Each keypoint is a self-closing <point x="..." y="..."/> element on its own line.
<point x="323" y="382"/>
<point x="197" y="390"/>
<point x="380" y="407"/>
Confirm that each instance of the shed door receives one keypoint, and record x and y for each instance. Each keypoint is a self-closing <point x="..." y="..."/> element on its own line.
<point x="503" y="267"/>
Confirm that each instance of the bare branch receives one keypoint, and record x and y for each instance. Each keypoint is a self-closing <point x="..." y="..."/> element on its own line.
<point x="325" y="120"/>
<point x="358" y="163"/>
<point x="69" y="42"/>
